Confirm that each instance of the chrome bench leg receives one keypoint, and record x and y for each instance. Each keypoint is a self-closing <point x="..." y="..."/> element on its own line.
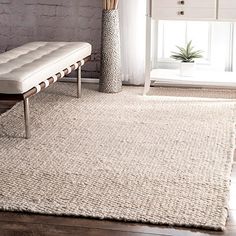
<point x="27" y="118"/>
<point x="79" y="83"/>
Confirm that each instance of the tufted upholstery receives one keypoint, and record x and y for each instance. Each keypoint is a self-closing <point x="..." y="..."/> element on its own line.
<point x="27" y="66"/>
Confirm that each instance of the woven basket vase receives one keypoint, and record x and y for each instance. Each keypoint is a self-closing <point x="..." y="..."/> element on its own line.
<point x="110" y="77"/>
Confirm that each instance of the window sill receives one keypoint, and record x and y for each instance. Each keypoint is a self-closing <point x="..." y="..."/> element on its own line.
<point x="216" y="79"/>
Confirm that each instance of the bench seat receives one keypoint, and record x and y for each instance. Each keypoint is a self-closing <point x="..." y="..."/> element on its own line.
<point x="25" y="67"/>
<point x="26" y="70"/>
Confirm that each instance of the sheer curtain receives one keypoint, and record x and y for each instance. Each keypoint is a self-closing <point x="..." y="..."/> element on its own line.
<point x="132" y="28"/>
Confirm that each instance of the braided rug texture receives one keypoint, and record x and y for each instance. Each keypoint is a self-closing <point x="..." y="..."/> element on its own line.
<point x="163" y="159"/>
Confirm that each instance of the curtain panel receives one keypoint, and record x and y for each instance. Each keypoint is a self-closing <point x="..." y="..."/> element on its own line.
<point x="133" y="36"/>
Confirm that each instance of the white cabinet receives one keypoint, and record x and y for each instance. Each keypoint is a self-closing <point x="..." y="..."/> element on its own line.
<point x="184" y="9"/>
<point x="227" y="10"/>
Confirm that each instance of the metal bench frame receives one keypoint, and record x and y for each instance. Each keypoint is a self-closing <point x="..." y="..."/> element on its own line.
<point x="43" y="85"/>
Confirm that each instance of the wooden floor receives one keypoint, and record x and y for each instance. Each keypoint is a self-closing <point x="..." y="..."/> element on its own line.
<point x="19" y="224"/>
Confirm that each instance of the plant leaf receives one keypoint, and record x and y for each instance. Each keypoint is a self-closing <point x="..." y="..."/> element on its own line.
<point x="186" y="54"/>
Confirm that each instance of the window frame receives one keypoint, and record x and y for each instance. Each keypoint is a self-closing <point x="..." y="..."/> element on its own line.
<point x="230" y="62"/>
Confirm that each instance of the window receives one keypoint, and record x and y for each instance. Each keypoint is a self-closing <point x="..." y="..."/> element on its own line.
<point x="215" y="39"/>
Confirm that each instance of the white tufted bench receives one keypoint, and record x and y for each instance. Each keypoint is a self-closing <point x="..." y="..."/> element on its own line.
<point x="26" y="70"/>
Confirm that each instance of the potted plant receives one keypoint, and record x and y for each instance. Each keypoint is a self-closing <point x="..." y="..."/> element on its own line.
<point x="186" y="56"/>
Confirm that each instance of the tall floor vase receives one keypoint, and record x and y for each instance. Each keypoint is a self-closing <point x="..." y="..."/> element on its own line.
<point x="110" y="78"/>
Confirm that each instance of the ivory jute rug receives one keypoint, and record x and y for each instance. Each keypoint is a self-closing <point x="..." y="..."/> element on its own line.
<point x="163" y="159"/>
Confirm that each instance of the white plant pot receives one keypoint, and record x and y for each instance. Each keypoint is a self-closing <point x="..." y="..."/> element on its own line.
<point x="187" y="69"/>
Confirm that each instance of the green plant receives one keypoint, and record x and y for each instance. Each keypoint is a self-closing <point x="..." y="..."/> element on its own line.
<point x="186" y="54"/>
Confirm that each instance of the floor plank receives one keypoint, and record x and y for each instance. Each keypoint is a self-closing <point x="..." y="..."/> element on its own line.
<point x="52" y="221"/>
<point x="45" y="229"/>
<point x="6" y="105"/>
<point x="16" y="233"/>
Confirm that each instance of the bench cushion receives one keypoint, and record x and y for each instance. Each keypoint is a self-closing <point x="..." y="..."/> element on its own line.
<point x="27" y="66"/>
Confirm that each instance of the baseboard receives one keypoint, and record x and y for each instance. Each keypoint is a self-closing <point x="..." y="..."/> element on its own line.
<point x="84" y="80"/>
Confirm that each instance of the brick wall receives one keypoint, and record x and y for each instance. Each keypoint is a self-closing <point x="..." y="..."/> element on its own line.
<point x="22" y="21"/>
